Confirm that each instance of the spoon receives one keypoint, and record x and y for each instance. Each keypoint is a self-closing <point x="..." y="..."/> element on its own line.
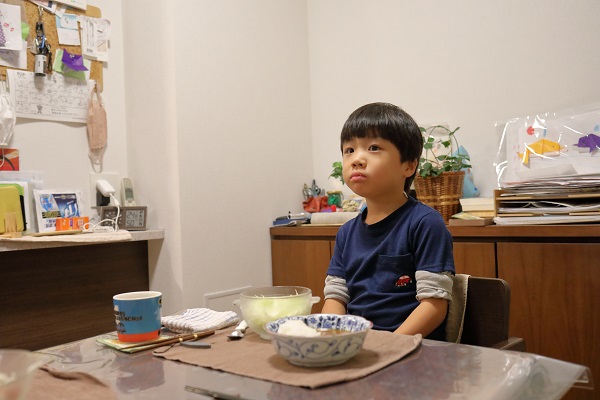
<point x="238" y="332"/>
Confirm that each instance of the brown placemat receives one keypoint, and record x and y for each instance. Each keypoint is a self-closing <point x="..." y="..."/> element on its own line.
<point x="57" y="385"/>
<point x="256" y="358"/>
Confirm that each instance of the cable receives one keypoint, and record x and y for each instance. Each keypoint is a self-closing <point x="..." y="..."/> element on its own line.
<point x="114" y="201"/>
<point x="114" y="222"/>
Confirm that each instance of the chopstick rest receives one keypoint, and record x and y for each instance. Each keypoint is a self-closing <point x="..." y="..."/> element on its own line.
<point x="176" y="339"/>
<point x="196" y="344"/>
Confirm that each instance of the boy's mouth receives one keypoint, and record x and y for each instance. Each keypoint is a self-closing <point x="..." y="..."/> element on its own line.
<point x="357" y="176"/>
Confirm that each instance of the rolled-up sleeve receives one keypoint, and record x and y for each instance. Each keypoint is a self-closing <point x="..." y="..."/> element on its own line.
<point x="434" y="285"/>
<point x="335" y="288"/>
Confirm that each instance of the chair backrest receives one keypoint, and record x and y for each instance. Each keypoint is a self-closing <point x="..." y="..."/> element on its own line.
<point x="487" y="312"/>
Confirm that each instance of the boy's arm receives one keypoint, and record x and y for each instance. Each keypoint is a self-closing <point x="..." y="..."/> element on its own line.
<point x="333" y="306"/>
<point x="428" y="315"/>
<point x="434" y="290"/>
<point x="336" y="295"/>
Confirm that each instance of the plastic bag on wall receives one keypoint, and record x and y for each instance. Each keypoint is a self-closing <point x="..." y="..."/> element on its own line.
<point x="549" y="145"/>
<point x="7" y="116"/>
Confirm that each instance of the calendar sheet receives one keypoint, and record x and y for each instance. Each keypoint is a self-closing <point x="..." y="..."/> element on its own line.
<point x="52" y="97"/>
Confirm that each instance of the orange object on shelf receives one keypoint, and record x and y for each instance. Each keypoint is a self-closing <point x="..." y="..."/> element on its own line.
<point x="71" y="224"/>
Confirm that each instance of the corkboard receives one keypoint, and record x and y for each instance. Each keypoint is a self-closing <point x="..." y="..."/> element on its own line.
<point x="49" y="19"/>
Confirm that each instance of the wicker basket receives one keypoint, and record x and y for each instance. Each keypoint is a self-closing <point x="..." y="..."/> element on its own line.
<point x="442" y="193"/>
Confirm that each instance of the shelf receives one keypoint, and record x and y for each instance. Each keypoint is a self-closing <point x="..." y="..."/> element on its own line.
<point x="70" y="240"/>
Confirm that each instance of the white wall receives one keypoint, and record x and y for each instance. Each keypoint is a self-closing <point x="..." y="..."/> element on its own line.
<point x="152" y="137"/>
<point x="466" y="63"/>
<point x="218" y="134"/>
<point x="243" y="118"/>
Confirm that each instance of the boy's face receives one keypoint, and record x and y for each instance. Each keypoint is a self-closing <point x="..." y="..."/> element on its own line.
<point x="372" y="168"/>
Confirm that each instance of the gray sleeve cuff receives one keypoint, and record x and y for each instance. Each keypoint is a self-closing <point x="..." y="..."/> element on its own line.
<point x="434" y="285"/>
<point x="335" y="288"/>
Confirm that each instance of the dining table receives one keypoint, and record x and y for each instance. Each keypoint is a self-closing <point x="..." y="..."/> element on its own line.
<point x="433" y="370"/>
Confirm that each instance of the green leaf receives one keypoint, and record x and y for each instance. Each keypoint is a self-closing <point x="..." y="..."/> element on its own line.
<point x="432" y="165"/>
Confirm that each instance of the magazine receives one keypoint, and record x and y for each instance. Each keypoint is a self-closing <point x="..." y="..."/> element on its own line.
<point x="52" y="204"/>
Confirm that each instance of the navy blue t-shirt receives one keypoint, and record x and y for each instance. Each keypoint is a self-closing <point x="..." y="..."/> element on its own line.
<point x="379" y="262"/>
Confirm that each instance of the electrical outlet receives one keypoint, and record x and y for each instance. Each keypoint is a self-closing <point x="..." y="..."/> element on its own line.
<point x="112" y="178"/>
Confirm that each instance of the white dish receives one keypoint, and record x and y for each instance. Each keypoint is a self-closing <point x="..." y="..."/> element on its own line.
<point x="325" y="350"/>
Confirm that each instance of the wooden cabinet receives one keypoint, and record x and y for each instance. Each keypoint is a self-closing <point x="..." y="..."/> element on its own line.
<point x="554" y="276"/>
<point x="51" y="296"/>
<point x="553" y="272"/>
<point x="301" y="260"/>
<point x="477" y="259"/>
<point x="555" y="302"/>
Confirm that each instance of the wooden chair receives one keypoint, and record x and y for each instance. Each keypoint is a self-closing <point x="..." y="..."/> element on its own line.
<point x="486" y="315"/>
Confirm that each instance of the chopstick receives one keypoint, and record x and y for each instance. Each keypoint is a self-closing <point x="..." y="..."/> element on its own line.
<point x="214" y="394"/>
<point x="150" y="344"/>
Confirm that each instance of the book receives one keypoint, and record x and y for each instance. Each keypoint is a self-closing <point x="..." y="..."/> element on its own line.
<point x="470" y="222"/>
<point x="466" y="219"/>
<point x="482" y="214"/>
<point x="477" y="204"/>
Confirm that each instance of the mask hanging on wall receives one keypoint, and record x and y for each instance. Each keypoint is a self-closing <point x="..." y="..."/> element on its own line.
<point x="96" y="129"/>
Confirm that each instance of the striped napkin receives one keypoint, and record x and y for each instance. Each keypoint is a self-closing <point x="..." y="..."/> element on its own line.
<point x="199" y="319"/>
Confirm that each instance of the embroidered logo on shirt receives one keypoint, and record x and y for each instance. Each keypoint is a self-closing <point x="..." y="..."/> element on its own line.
<point x="403" y="280"/>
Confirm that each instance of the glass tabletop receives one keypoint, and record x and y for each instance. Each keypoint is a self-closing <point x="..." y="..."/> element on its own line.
<point x="436" y="370"/>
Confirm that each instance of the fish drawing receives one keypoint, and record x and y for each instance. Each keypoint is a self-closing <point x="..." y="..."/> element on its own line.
<point x="591" y="141"/>
<point x="540" y="147"/>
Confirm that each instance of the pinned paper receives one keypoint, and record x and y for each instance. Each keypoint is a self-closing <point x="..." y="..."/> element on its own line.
<point x="14" y="59"/>
<point x="68" y="32"/>
<point x="95" y="35"/>
<point x="24" y="30"/>
<point x="10" y="18"/>
<point x="46" y="5"/>
<point x="73" y="61"/>
<point x="66" y="68"/>
<point x="80" y="4"/>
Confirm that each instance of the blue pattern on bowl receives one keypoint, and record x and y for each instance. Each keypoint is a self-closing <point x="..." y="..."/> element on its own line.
<point x="320" y="351"/>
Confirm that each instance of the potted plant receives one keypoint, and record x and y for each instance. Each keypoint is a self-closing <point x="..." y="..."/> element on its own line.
<point x="439" y="179"/>
<point x="433" y="165"/>
<point x="337" y="171"/>
<point x="336" y="196"/>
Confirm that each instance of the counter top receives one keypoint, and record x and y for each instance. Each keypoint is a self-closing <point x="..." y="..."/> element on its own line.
<point x="589" y="232"/>
<point x="32" y="243"/>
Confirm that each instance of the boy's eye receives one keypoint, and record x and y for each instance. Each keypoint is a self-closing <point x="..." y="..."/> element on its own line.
<point x="348" y="150"/>
<point x="374" y="147"/>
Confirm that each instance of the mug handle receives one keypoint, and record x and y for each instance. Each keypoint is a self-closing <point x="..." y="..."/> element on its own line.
<point x="236" y="302"/>
<point x="314" y="300"/>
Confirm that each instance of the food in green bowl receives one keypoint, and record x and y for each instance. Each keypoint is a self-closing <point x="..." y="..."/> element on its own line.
<point x="266" y="304"/>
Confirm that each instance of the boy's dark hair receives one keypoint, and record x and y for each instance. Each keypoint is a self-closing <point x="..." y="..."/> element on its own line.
<point x="388" y="122"/>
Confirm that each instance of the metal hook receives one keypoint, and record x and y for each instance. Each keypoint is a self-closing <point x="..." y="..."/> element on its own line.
<point x="40" y="11"/>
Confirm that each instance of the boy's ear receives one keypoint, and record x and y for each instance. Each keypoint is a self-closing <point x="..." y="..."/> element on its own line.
<point x="411" y="167"/>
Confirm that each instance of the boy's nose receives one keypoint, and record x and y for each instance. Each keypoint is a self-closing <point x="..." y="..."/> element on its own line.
<point x="358" y="161"/>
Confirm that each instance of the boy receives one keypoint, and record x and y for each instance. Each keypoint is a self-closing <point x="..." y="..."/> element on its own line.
<point x="392" y="264"/>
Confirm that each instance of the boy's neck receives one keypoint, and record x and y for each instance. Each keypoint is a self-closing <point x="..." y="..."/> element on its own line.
<point x="379" y="209"/>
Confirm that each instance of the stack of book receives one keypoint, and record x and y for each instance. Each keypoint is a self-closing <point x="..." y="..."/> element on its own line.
<point x="478" y="206"/>
<point x="476" y="211"/>
<point x="547" y="205"/>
